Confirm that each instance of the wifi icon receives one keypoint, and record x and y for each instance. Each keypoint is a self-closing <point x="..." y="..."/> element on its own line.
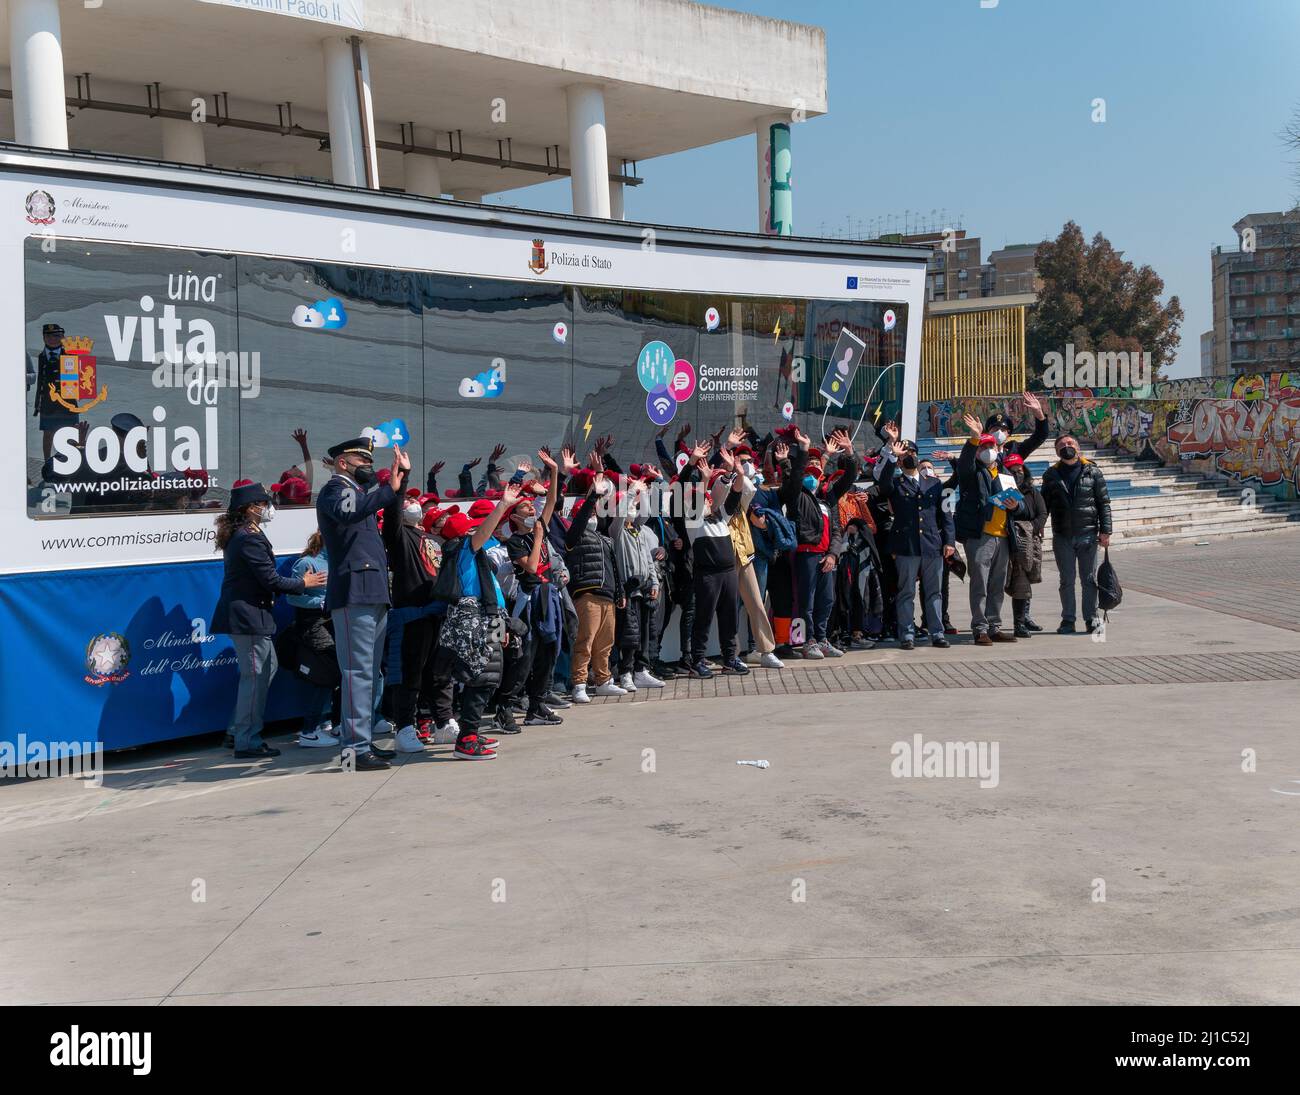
<point x="660" y="406"/>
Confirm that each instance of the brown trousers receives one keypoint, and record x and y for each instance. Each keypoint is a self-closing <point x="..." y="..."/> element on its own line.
<point x="760" y="627"/>
<point x="595" y="638"/>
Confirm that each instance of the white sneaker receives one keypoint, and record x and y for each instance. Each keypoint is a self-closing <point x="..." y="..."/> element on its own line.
<point x="323" y="737"/>
<point x="383" y="729"/>
<point x="408" y="742"/>
<point x="752" y="658"/>
<point x="447" y="733"/>
<point x="626" y="683"/>
<point x="771" y="661"/>
<point x="609" y="688"/>
<point x="645" y="679"/>
<point x="579" y="694"/>
<point x="812" y="652"/>
<point x="830" y="651"/>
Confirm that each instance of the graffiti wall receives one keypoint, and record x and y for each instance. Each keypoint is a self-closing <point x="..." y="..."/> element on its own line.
<point x="1245" y="427"/>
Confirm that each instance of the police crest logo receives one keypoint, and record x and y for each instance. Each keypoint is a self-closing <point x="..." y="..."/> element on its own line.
<point x="78" y="388"/>
<point x="537" y="264"/>
<point x="107" y="657"/>
<point x="40" y="207"/>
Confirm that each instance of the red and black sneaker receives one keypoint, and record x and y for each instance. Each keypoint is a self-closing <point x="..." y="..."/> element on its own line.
<point x="472" y="747"/>
<point x="424" y="731"/>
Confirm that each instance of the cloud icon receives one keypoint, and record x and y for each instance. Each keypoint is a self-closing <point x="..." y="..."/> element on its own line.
<point x="392" y="432"/>
<point x="487" y="385"/>
<point x="304" y="316"/>
<point x="324" y="315"/>
<point x="332" y="310"/>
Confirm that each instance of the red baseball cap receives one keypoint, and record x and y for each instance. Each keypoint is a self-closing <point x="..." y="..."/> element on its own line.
<point x="431" y="518"/>
<point x="480" y="509"/>
<point x="457" y="525"/>
<point x="986" y="439"/>
<point x="1013" y="461"/>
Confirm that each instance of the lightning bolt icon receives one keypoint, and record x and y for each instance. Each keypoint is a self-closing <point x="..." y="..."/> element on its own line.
<point x="586" y="426"/>
<point x="776" y="332"/>
<point x="876" y="416"/>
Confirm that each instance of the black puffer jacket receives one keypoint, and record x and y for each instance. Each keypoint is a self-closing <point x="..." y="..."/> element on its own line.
<point x="589" y="555"/>
<point x="1087" y="510"/>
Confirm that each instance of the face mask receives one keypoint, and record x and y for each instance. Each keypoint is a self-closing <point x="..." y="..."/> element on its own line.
<point x="266" y="516"/>
<point x="810" y="481"/>
<point x="1068" y="452"/>
<point x="758" y="479"/>
<point x="987" y="456"/>
<point x="928" y="473"/>
<point x="364" y="474"/>
<point x="529" y="522"/>
<point x="908" y="462"/>
<point x="748" y="469"/>
<point x="1001" y="436"/>
<point x="412" y="514"/>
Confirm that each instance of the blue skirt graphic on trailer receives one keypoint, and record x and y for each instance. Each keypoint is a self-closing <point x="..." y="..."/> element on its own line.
<point x="133" y="663"/>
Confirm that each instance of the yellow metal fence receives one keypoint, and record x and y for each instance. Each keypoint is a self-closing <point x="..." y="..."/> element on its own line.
<point x="973" y="353"/>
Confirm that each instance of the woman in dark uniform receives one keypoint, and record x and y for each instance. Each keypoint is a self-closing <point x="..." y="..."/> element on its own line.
<point x="243" y="610"/>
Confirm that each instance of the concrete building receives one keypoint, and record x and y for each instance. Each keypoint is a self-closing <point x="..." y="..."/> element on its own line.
<point x="1256" y="295"/>
<point x="464" y="99"/>
<point x="1012" y="271"/>
<point x="1207" y="353"/>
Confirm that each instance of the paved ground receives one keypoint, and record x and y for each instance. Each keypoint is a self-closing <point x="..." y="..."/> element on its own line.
<point x="1119" y="763"/>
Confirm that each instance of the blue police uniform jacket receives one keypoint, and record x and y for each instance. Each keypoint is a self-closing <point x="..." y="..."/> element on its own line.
<point x="921" y="524"/>
<point x="358" y="572"/>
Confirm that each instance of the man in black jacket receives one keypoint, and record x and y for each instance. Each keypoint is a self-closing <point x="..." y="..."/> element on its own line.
<point x="921" y="539"/>
<point x="593" y="585"/>
<point x="1079" y="504"/>
<point x="357" y="596"/>
<point x="987" y="531"/>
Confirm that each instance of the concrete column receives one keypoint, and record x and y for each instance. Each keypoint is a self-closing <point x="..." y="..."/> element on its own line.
<point x="349" y="150"/>
<point x="616" y="190"/>
<point x="423" y="173"/>
<point x="588" y="150"/>
<point x="468" y="195"/>
<point x="773" y="157"/>
<point x="182" y="141"/>
<point x="36" y="70"/>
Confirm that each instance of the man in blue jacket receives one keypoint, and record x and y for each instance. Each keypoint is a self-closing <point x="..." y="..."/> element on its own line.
<point x="357" y="594"/>
<point x="922" y="537"/>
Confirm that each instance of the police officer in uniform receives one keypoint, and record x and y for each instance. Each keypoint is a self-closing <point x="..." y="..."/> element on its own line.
<point x="357" y="594"/>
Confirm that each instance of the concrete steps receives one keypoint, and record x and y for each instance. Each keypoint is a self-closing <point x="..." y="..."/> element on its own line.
<point x="1154" y="505"/>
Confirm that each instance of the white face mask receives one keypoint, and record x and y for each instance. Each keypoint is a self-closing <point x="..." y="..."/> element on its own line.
<point x="748" y="469"/>
<point x="266" y="516"/>
<point x="928" y="473"/>
<point x="529" y="522"/>
<point x="986" y="456"/>
<point x="1001" y="436"/>
<point x="412" y="514"/>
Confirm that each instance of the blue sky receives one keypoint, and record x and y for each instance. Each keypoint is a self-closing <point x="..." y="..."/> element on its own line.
<point x="940" y="104"/>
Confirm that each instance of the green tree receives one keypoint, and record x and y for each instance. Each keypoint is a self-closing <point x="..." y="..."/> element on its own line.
<point x="1093" y="298"/>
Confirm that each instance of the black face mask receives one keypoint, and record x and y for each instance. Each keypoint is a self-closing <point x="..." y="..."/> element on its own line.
<point x="909" y="462"/>
<point x="364" y="474"/>
<point x="1069" y="452"/>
